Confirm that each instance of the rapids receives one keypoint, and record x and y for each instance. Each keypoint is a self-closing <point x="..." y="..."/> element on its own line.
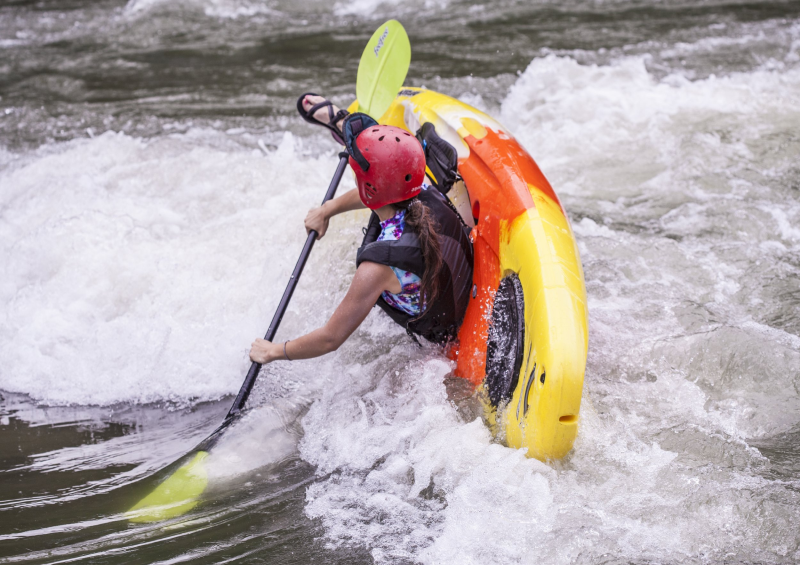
<point x="153" y="181"/>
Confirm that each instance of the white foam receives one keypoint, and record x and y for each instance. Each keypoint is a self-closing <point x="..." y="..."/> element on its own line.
<point x="138" y="271"/>
<point x="211" y="8"/>
<point x="386" y="7"/>
<point x="674" y="197"/>
<point x="257" y="441"/>
<point x="141" y="271"/>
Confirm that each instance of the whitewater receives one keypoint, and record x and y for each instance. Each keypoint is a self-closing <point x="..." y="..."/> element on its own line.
<point x="147" y="232"/>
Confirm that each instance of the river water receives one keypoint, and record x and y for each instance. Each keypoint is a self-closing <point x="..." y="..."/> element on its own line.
<point x="153" y="180"/>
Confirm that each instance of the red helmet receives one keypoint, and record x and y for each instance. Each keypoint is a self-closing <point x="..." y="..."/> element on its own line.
<point x="395" y="166"/>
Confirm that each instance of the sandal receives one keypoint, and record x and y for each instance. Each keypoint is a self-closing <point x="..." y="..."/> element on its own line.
<point x="333" y="119"/>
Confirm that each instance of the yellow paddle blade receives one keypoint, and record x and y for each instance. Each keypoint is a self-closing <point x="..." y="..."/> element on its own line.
<point x="383" y="68"/>
<point x="175" y="496"/>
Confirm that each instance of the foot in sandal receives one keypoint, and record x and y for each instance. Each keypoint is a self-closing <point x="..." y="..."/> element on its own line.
<point x="316" y="109"/>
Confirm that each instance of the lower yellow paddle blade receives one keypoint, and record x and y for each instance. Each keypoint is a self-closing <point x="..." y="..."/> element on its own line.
<point x="383" y="68"/>
<point x="175" y="496"/>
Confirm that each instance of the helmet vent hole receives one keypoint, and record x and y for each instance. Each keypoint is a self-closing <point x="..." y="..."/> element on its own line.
<point x="397" y="139"/>
<point x="408" y="177"/>
<point x="381" y="138"/>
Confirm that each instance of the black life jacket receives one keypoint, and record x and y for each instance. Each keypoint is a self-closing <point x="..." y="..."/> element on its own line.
<point x="441" y="320"/>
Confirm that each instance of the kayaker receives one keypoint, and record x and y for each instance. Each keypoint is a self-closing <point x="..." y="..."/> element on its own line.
<point x="415" y="261"/>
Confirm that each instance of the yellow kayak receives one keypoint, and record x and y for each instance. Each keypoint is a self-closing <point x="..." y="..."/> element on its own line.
<point x="525" y="333"/>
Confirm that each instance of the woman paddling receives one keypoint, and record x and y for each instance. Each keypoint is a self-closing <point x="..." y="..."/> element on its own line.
<point x="416" y="259"/>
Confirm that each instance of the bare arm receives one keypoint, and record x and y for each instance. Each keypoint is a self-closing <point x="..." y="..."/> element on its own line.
<point x="317" y="218"/>
<point x="369" y="281"/>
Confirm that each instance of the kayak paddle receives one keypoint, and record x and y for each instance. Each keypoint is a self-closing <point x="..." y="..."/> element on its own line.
<point x="381" y="72"/>
<point x="180" y="491"/>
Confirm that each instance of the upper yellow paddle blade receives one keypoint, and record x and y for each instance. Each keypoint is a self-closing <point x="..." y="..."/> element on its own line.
<point x="175" y="496"/>
<point x="383" y="68"/>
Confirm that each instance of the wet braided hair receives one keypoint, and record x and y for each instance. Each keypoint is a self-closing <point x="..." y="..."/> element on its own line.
<point x="422" y="223"/>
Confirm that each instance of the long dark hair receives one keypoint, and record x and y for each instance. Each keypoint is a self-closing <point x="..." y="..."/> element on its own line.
<point x="422" y="223"/>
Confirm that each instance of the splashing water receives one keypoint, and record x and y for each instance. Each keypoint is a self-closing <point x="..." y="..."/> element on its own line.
<point x="151" y="211"/>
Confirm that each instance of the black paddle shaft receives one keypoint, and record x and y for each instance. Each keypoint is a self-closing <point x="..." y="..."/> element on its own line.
<point x="252" y="374"/>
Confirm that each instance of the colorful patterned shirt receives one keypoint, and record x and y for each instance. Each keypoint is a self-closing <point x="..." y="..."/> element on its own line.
<point x="407" y="300"/>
